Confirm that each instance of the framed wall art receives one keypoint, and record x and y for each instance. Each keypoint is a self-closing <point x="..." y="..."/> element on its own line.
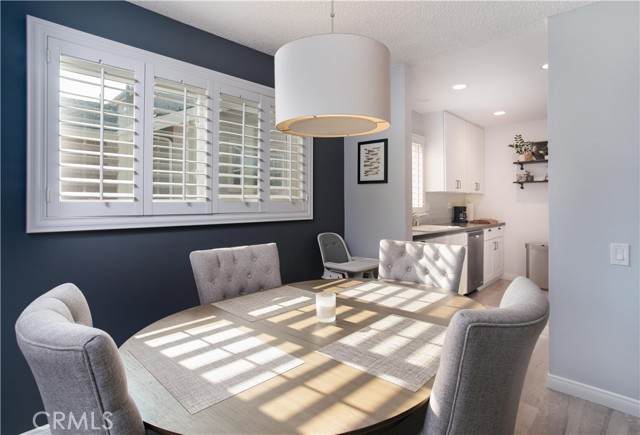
<point x="372" y="161"/>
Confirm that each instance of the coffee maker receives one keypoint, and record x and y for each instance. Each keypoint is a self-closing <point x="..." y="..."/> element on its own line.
<point x="459" y="215"/>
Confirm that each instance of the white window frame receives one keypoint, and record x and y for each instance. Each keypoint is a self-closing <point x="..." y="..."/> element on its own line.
<point x="41" y="173"/>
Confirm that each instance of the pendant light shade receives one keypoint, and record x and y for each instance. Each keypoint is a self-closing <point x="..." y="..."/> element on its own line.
<point x="333" y="85"/>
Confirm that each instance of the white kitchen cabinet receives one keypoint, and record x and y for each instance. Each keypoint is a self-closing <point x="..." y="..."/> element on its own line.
<point x="475" y="158"/>
<point x="493" y="254"/>
<point x="454" y="160"/>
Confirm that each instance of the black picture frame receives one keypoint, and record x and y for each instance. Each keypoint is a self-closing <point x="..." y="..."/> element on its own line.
<point x="372" y="161"/>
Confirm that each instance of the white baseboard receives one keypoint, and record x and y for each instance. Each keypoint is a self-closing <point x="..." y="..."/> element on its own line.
<point x="509" y="276"/>
<point x="594" y="394"/>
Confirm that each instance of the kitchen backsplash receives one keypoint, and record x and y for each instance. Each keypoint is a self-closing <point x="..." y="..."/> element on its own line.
<point x="438" y="205"/>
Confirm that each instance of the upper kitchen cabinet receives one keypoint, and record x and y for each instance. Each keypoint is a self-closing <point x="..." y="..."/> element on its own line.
<point x="475" y="158"/>
<point x="454" y="160"/>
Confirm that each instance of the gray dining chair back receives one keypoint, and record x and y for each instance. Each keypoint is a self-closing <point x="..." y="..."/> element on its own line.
<point x="433" y="264"/>
<point x="224" y="273"/>
<point x="483" y="364"/>
<point x="338" y="262"/>
<point x="77" y="367"/>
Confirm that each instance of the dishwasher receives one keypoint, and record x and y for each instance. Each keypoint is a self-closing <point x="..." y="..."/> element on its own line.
<point x="475" y="259"/>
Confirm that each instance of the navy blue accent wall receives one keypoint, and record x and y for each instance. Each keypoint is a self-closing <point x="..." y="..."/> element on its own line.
<point x="130" y="277"/>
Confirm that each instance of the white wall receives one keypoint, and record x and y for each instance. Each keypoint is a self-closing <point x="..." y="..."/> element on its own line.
<point x="525" y="211"/>
<point x="594" y="347"/>
<point x="381" y="211"/>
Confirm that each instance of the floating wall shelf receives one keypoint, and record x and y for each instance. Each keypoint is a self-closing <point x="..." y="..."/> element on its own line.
<point x="528" y="162"/>
<point x="522" y="183"/>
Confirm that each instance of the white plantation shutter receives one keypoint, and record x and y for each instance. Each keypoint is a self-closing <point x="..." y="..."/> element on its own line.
<point x="417" y="174"/>
<point x="287" y="168"/>
<point x="97" y="133"/>
<point x="240" y="153"/>
<point x="181" y="156"/>
<point x="119" y="137"/>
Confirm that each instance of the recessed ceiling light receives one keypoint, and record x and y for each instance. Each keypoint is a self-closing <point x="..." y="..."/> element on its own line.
<point x="499" y="113"/>
<point x="545" y="66"/>
<point x="459" y="86"/>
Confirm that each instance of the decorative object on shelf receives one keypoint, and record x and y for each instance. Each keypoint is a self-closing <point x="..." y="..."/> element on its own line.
<point x="372" y="161"/>
<point x="521" y="177"/>
<point x="540" y="150"/>
<point x="345" y="92"/>
<point x="522" y="148"/>
<point x="528" y="176"/>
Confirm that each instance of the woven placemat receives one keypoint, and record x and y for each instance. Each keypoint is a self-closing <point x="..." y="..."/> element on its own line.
<point x="268" y="303"/>
<point x="393" y="295"/>
<point x="204" y="365"/>
<point x="400" y="350"/>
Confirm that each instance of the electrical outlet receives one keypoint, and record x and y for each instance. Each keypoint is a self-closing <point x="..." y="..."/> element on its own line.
<point x="620" y="254"/>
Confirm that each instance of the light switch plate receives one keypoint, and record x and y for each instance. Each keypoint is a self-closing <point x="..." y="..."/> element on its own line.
<point x="620" y="254"/>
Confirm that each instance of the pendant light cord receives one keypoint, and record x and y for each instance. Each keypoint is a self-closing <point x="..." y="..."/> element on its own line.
<point x="332" y="15"/>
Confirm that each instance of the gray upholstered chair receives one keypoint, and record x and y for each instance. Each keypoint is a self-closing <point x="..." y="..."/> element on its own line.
<point x="338" y="262"/>
<point x="77" y="367"/>
<point x="483" y="364"/>
<point x="229" y="272"/>
<point x="433" y="264"/>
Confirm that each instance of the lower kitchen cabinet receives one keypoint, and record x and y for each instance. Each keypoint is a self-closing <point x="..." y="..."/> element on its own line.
<point x="493" y="254"/>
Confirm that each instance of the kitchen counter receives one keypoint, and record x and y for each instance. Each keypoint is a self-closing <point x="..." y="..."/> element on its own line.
<point x="422" y="232"/>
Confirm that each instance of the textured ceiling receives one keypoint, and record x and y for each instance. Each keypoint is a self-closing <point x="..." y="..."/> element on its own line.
<point x="438" y="39"/>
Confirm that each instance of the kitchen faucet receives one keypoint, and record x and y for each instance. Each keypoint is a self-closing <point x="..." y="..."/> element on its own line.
<point x="415" y="218"/>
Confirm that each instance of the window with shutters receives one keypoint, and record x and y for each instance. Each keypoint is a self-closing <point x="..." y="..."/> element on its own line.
<point x="241" y="150"/>
<point x="288" y="174"/>
<point x="181" y="145"/>
<point x="122" y="138"/>
<point x="417" y="172"/>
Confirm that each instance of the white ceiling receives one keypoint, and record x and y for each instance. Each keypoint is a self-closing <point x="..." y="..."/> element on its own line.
<point x="496" y="47"/>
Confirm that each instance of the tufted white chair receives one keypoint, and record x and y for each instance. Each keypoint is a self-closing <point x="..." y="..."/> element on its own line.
<point x="433" y="264"/>
<point x="230" y="272"/>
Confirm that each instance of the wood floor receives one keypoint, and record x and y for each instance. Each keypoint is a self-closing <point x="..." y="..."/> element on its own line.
<point x="544" y="411"/>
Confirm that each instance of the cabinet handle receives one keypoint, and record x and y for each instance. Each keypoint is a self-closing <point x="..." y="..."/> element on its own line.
<point x="495" y="246"/>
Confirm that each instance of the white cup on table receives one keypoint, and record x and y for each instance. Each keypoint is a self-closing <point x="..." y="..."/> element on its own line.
<point x="326" y="307"/>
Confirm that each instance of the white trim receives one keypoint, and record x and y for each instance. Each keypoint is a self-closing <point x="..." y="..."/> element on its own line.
<point x="606" y="398"/>
<point x="509" y="276"/>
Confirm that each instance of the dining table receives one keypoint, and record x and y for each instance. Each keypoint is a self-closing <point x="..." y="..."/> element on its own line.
<point x="263" y="363"/>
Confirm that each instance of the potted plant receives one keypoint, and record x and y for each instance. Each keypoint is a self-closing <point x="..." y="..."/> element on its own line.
<point x="522" y="148"/>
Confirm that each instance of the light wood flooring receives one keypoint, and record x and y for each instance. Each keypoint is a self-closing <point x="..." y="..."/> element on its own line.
<point x="544" y="411"/>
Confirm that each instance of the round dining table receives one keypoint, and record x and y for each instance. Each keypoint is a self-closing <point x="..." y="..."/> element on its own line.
<point x="313" y="393"/>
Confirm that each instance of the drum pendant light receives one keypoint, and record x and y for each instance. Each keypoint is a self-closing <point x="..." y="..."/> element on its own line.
<point x="333" y="85"/>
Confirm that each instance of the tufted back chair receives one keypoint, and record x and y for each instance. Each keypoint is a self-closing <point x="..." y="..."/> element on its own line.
<point x="77" y="367"/>
<point x="229" y="272"/>
<point x="433" y="264"/>
<point x="484" y="361"/>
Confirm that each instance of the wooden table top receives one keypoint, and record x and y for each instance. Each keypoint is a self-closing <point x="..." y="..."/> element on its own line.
<point x="320" y="396"/>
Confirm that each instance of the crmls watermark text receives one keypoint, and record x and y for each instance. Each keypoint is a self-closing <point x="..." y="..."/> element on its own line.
<point x="69" y="421"/>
